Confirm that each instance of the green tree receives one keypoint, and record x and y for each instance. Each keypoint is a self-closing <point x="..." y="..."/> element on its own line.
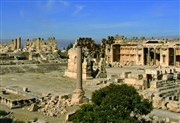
<point x="114" y="104"/>
<point x="59" y="52"/>
<point x="69" y="46"/>
<point x="143" y="38"/>
<point x="3" y="113"/>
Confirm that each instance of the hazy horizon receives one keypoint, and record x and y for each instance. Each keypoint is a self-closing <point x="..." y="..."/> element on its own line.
<point x="64" y="42"/>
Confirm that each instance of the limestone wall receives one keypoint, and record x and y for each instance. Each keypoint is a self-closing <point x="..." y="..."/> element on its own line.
<point x="40" y="45"/>
<point x="151" y="53"/>
<point x="71" y="70"/>
<point x="12" y="46"/>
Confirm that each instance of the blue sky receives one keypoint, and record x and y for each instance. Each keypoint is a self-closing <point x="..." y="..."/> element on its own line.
<point x="65" y="19"/>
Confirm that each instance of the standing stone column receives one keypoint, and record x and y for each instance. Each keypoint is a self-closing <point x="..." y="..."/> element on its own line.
<point x="79" y="68"/>
<point x="112" y="57"/>
<point x="167" y="61"/>
<point x="18" y="43"/>
<point x="148" y="60"/>
<point x="174" y="56"/>
<point x="154" y="56"/>
<point x="78" y="93"/>
<point x="144" y="56"/>
<point x="137" y="56"/>
<point x="15" y="44"/>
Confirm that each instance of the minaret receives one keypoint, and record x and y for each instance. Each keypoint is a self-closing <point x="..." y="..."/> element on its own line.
<point x="78" y="93"/>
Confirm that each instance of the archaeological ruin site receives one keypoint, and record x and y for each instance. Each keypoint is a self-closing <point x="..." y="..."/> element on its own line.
<point x="38" y="80"/>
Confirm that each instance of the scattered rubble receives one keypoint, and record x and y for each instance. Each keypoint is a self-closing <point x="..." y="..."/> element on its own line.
<point x="54" y="105"/>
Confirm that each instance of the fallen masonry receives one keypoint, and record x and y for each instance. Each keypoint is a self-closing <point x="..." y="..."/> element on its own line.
<point x="52" y="105"/>
<point x="159" y="85"/>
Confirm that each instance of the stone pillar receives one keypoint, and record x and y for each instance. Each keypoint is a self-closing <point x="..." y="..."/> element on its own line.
<point x="148" y="57"/>
<point x="167" y="61"/>
<point x="18" y="43"/>
<point x="112" y="57"/>
<point x="15" y="44"/>
<point x="137" y="59"/>
<point x="174" y="56"/>
<point x="79" y="68"/>
<point x="143" y="56"/>
<point x="78" y="93"/>
<point x="38" y="44"/>
<point x="154" y="56"/>
<point x="30" y="56"/>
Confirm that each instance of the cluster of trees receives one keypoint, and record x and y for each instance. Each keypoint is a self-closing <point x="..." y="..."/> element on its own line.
<point x="113" y="104"/>
<point x="70" y="45"/>
<point x="98" y="50"/>
<point x="89" y="43"/>
<point x="104" y="42"/>
<point x="5" y="118"/>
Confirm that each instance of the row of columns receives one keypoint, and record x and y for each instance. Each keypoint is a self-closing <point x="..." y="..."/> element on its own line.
<point x="148" y="57"/>
<point x="17" y="43"/>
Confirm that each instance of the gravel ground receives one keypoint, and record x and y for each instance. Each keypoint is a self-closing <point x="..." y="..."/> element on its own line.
<point x="53" y="81"/>
<point x="166" y="113"/>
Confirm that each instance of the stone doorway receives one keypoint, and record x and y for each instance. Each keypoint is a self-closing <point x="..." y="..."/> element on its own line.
<point x="116" y="53"/>
<point x="157" y="61"/>
<point x="145" y="56"/>
<point x="178" y="60"/>
<point x="171" y="56"/>
<point x="152" y="56"/>
<point x="149" y="79"/>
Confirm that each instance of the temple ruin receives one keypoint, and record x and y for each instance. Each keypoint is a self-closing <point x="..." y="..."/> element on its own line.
<point x="35" y="50"/>
<point x="149" y="52"/>
<point x="12" y="46"/>
<point x="41" y="45"/>
<point x="151" y="66"/>
<point x="72" y="65"/>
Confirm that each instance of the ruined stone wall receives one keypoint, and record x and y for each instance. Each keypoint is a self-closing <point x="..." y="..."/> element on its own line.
<point x="41" y="45"/>
<point x="128" y="54"/>
<point x="164" y="56"/>
<point x="152" y="53"/>
<point x="108" y="54"/>
<point x="71" y="70"/>
<point x="139" y="56"/>
<point x="13" y="45"/>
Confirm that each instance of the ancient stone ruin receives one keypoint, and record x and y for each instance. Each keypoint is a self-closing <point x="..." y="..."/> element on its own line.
<point x="13" y="46"/>
<point x="41" y="45"/>
<point x="160" y="85"/>
<point x="52" y="105"/>
<point x="147" y="52"/>
<point x="14" y="98"/>
<point x="35" y="51"/>
<point x="78" y="93"/>
<point x="72" y="65"/>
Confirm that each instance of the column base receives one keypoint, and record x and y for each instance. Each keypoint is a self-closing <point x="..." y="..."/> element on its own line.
<point x="77" y="97"/>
